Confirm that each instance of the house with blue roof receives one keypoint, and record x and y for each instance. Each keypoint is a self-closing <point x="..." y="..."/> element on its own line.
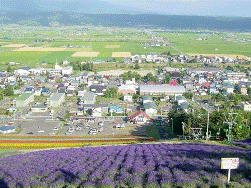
<point x="115" y="109"/>
<point x="45" y="91"/>
<point x="7" y="129"/>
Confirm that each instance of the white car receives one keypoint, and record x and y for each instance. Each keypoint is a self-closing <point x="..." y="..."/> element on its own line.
<point x="51" y="134"/>
<point x="40" y="131"/>
<point x="78" y="129"/>
<point x="100" y="123"/>
<point x="117" y="126"/>
<point x="55" y="129"/>
<point x="93" y="131"/>
<point x="70" y="130"/>
<point x="68" y="133"/>
<point x="122" y="125"/>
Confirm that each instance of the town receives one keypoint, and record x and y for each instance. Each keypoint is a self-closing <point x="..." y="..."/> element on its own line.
<point x="64" y="101"/>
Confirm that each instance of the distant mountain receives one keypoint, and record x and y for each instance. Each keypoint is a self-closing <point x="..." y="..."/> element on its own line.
<point x="125" y="20"/>
<point x="66" y="6"/>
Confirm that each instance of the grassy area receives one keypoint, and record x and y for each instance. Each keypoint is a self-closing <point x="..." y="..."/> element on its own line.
<point x="191" y="43"/>
<point x="152" y="131"/>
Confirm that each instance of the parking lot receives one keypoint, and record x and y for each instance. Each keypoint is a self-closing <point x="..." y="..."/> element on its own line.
<point x="37" y="127"/>
<point x="108" y="127"/>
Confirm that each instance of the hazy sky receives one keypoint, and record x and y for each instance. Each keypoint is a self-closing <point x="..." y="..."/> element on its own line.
<point x="169" y="7"/>
<point x="191" y="7"/>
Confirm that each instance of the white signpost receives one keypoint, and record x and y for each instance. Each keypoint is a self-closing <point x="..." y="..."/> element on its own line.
<point x="229" y="163"/>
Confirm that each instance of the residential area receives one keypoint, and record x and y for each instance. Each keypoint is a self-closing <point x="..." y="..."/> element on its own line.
<point x="63" y="101"/>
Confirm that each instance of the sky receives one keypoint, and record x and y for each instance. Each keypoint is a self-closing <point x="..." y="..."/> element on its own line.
<point x="191" y="7"/>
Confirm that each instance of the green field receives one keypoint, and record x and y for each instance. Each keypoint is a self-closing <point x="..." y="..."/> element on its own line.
<point x="190" y="43"/>
<point x="95" y="39"/>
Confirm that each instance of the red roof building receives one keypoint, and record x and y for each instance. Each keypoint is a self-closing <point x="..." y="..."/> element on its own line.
<point x="173" y="83"/>
<point x="206" y="84"/>
<point x="139" y="117"/>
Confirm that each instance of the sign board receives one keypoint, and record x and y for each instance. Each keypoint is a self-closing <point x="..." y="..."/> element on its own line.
<point x="229" y="163"/>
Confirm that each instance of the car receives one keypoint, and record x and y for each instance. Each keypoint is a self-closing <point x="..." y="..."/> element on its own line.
<point x="115" y="122"/>
<point x="30" y="133"/>
<point x="40" y="131"/>
<point x="51" y="134"/>
<point x="68" y="133"/>
<point x="55" y="129"/>
<point x="87" y="126"/>
<point x="122" y="125"/>
<point x="117" y="126"/>
<point x="67" y="124"/>
<point x="100" y="129"/>
<point x="78" y="128"/>
<point x="93" y="131"/>
<point x="101" y="123"/>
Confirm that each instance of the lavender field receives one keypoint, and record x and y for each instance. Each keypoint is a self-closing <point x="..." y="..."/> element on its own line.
<point x="147" y="165"/>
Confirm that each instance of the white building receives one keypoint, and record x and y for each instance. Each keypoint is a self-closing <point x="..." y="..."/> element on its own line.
<point x="21" y="72"/>
<point x="246" y="106"/>
<point x="127" y="98"/>
<point x="67" y="70"/>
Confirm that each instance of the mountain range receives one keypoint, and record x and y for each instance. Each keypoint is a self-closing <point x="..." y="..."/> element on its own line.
<point x="105" y="13"/>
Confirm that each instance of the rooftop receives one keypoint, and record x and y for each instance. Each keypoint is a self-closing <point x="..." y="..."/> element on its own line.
<point x="24" y="96"/>
<point x="56" y="96"/>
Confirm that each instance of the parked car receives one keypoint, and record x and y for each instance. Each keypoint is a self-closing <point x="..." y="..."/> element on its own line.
<point x="55" y="129"/>
<point x="117" y="126"/>
<point x="93" y="131"/>
<point x="87" y="126"/>
<point x="115" y="122"/>
<point x="40" y="131"/>
<point x="101" y="123"/>
<point x="30" y="133"/>
<point x="51" y="134"/>
<point x="68" y="133"/>
<point x="67" y="124"/>
<point x="122" y="125"/>
<point x="78" y="128"/>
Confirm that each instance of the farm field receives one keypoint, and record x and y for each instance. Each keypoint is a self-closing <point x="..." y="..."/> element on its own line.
<point x="141" y="165"/>
<point x="210" y="44"/>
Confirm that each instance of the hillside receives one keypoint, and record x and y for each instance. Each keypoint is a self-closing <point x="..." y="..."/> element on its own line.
<point x="125" y="20"/>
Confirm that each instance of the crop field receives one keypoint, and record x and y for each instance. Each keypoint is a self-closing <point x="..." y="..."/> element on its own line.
<point x="112" y="46"/>
<point x="142" y="165"/>
<point x="121" y="54"/>
<point x="85" y="54"/>
<point x="210" y="44"/>
<point x="14" y="45"/>
<point x="40" y="49"/>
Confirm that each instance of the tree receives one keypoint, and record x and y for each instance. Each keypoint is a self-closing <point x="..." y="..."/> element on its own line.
<point x="167" y="78"/>
<point x="136" y="66"/>
<point x="9" y="69"/>
<point x="67" y="114"/>
<point x="112" y="93"/>
<point x="188" y="95"/>
<point x="8" y="91"/>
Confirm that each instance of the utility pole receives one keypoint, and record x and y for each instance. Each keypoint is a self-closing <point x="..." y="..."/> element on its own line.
<point x="172" y="124"/>
<point x="207" y="123"/>
<point x="230" y="121"/>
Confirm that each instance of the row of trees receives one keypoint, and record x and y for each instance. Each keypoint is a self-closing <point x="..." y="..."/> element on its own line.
<point x="198" y="119"/>
<point x="80" y="67"/>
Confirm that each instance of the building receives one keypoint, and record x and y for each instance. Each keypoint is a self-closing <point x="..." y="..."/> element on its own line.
<point x="24" y="99"/>
<point x="127" y="98"/>
<point x="159" y="89"/>
<point x="67" y="70"/>
<point x="115" y="109"/>
<point x="90" y="108"/>
<point x="39" y="108"/>
<point x="246" y="106"/>
<point x="150" y="108"/>
<point x="56" y="99"/>
<point x="140" y="117"/>
<point x="7" y="129"/>
<point x="88" y="98"/>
